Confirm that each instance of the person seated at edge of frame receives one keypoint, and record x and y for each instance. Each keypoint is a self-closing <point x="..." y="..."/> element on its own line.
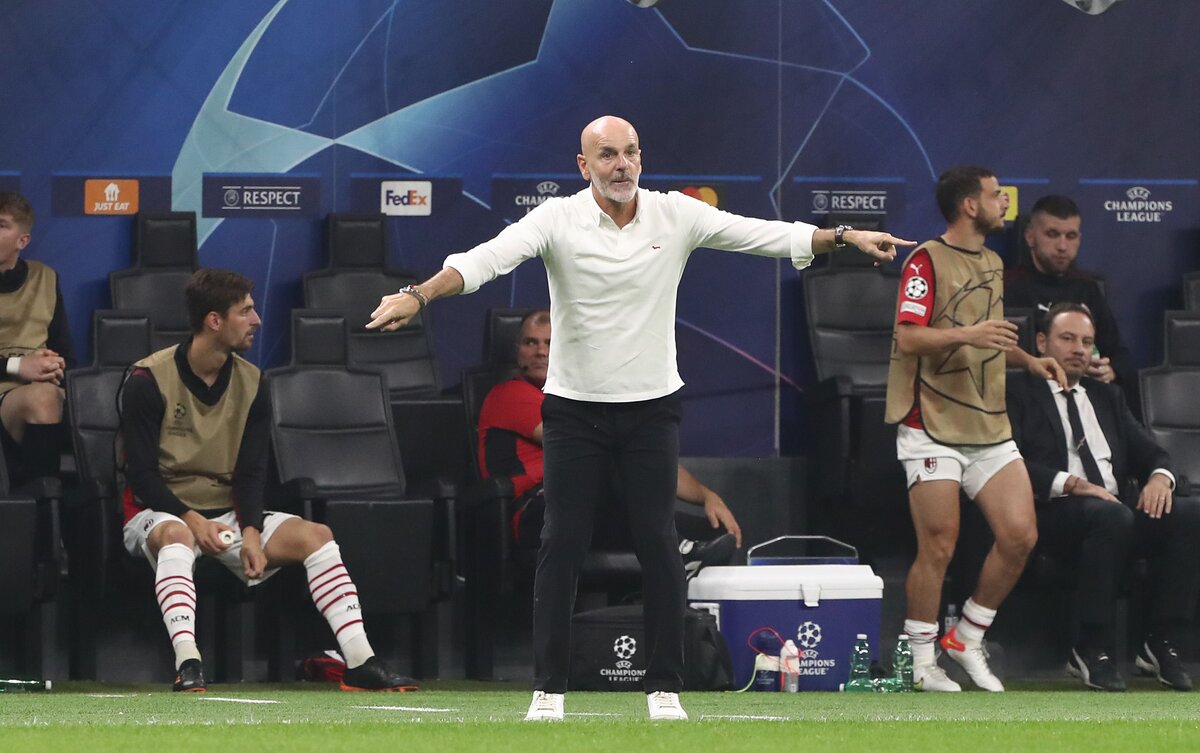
<point x="36" y="341"/>
<point x="1079" y="445"/>
<point x="194" y="435"/>
<point x="510" y="444"/>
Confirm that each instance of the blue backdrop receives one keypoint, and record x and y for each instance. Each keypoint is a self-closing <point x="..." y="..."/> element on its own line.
<point x="778" y="108"/>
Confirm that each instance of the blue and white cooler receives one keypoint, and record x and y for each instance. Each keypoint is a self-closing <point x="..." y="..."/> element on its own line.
<point x="821" y="603"/>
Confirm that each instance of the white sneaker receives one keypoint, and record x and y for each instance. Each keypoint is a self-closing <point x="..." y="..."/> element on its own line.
<point x="932" y="678"/>
<point x="664" y="706"/>
<point x="974" y="660"/>
<point x="545" y="707"/>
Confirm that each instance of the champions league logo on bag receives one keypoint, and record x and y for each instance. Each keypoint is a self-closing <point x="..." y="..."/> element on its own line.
<point x="624" y="649"/>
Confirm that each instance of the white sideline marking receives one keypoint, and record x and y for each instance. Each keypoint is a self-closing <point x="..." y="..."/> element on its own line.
<point x="746" y="716"/>
<point x="404" y="708"/>
<point x="590" y="713"/>
<point x="235" y="700"/>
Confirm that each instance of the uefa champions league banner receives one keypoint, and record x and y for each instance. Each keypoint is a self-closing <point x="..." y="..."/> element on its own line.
<point x="1141" y="236"/>
<point x="304" y="99"/>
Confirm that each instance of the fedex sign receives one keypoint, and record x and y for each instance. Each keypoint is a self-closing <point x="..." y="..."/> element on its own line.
<point x="409" y="198"/>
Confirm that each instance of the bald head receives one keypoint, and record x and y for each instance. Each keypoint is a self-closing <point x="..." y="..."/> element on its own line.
<point x="605" y="127"/>
<point x="610" y="159"/>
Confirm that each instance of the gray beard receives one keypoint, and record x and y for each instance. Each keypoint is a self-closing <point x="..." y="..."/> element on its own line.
<point x="609" y="194"/>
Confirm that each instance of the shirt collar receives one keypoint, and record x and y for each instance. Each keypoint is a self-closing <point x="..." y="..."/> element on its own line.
<point x="597" y="214"/>
<point x="1056" y="388"/>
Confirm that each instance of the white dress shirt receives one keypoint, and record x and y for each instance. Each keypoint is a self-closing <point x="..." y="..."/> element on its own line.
<point x="613" y="290"/>
<point x="1095" y="440"/>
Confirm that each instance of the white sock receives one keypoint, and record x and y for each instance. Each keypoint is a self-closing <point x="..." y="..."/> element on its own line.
<point x="176" y="594"/>
<point x="337" y="600"/>
<point x="974" y="623"/>
<point x="921" y="637"/>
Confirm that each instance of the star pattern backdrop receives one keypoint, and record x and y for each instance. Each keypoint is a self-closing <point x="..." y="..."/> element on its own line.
<point x="776" y="108"/>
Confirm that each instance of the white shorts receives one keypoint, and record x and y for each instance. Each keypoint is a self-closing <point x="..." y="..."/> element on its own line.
<point x="971" y="467"/>
<point x="138" y="529"/>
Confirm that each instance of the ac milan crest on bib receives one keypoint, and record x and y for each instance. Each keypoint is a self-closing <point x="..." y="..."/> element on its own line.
<point x="931" y="465"/>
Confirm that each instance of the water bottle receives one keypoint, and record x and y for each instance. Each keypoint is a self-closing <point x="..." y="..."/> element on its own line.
<point x="902" y="665"/>
<point x="23" y="686"/>
<point x="789" y="667"/>
<point x="766" y="673"/>
<point x="860" y="667"/>
<point x="951" y="618"/>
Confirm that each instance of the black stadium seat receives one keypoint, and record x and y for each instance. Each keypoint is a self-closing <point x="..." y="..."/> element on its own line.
<point x="500" y="337"/>
<point x="336" y="453"/>
<point x="164" y="257"/>
<point x="1191" y="291"/>
<point x="1181" y="336"/>
<point x="352" y="284"/>
<point x="1171" y="412"/>
<point x="851" y="312"/>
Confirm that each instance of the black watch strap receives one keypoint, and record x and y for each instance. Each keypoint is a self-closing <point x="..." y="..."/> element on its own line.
<point x="839" y="235"/>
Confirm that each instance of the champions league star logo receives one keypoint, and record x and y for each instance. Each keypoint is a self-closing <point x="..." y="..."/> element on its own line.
<point x="808" y="635"/>
<point x="421" y="129"/>
<point x="916" y="288"/>
<point x="625" y="647"/>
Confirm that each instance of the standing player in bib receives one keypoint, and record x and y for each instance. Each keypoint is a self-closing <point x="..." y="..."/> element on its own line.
<point x="194" y="427"/>
<point x="946" y="392"/>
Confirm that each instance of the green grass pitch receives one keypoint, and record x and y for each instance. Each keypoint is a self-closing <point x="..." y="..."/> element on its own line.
<point x="1045" y="717"/>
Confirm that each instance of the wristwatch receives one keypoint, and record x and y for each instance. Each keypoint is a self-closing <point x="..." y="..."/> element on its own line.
<point x="839" y="235"/>
<point x="412" y="290"/>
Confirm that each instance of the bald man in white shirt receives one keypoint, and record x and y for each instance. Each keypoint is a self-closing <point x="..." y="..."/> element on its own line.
<point x="614" y="254"/>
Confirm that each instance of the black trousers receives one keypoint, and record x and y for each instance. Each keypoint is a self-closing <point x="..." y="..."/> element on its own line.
<point x="1172" y="546"/>
<point x="584" y="443"/>
<point x="1100" y="536"/>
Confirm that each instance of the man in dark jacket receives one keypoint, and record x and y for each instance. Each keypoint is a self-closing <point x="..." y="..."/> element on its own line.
<point x="1053" y="235"/>
<point x="1079" y="446"/>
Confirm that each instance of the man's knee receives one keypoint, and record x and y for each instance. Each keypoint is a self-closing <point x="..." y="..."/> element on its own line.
<point x="315" y="535"/>
<point x="168" y="533"/>
<point x="43" y="403"/>
<point x="1017" y="543"/>
<point x="937" y="544"/>
<point x="1108" y="515"/>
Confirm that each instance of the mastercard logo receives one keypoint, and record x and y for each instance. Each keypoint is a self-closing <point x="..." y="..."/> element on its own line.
<point x="707" y="194"/>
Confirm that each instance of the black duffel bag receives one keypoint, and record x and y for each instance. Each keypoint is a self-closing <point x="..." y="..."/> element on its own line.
<point x="608" y="651"/>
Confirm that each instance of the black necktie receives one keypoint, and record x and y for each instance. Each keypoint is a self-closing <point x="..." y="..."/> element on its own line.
<point x="1080" y="439"/>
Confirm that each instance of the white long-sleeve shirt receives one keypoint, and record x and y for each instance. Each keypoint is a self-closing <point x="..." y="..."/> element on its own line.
<point x="613" y="290"/>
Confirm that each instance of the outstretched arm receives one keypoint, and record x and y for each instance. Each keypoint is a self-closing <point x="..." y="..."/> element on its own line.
<point x="397" y="309"/>
<point x="878" y="244"/>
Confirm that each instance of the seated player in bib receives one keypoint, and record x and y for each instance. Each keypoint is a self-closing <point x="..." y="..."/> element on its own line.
<point x="194" y="435"/>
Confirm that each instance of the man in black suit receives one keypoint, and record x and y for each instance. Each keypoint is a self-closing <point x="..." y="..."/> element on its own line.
<point x="1079" y="446"/>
